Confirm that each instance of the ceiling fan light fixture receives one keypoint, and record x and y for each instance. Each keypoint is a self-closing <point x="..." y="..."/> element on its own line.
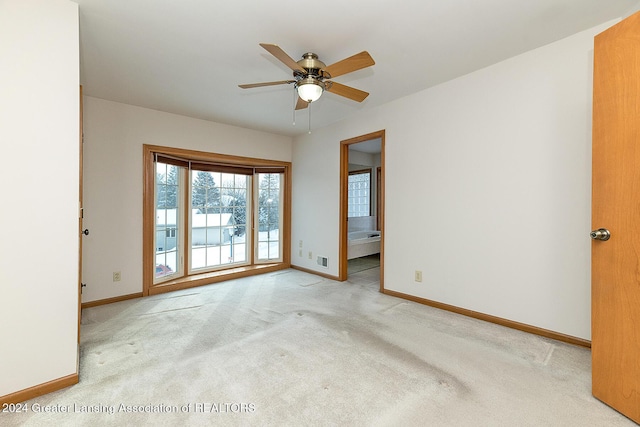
<point x="310" y="89"/>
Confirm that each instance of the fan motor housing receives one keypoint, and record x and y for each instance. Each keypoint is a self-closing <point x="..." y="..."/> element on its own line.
<point x="312" y="64"/>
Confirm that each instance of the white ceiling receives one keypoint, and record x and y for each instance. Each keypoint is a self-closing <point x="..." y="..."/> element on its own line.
<point x="188" y="56"/>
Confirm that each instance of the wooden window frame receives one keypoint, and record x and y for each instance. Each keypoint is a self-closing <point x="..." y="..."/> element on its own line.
<point x="224" y="169"/>
<point x="256" y="225"/>
<point x="235" y="163"/>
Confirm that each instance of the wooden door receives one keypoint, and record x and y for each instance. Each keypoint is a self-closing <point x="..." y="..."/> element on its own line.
<point x="615" y="264"/>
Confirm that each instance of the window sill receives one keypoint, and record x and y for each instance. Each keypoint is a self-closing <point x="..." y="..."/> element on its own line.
<point x="215" y="277"/>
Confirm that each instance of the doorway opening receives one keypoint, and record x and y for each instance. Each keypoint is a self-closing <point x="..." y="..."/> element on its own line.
<point x="362" y="205"/>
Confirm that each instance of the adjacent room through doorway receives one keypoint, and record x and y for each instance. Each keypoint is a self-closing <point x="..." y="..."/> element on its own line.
<point x="362" y="205"/>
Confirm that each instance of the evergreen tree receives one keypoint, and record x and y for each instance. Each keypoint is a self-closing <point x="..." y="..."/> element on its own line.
<point x="167" y="189"/>
<point x="205" y="195"/>
<point x="236" y="204"/>
<point x="269" y="202"/>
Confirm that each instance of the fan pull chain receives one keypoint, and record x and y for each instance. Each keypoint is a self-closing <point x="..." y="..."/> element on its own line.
<point x="295" y="98"/>
<point x="309" y="108"/>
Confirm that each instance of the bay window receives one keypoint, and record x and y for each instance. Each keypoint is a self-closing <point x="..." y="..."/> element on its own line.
<point x="210" y="217"/>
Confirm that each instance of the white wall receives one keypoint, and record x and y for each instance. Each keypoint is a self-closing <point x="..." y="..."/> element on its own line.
<point x="487" y="188"/>
<point x="39" y="127"/>
<point x="360" y="158"/>
<point x="633" y="10"/>
<point x="114" y="135"/>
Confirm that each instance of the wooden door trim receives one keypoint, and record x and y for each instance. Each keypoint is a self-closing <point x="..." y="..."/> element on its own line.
<point x="80" y="214"/>
<point x="344" y="180"/>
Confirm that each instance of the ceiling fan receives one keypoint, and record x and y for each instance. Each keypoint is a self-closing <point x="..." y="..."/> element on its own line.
<point x="311" y="77"/>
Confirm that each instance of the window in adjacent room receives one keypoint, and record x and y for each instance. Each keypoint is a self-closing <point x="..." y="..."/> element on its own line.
<point x="359" y="193"/>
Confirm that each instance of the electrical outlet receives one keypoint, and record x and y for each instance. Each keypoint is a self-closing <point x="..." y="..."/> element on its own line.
<point x="117" y="276"/>
<point x="300" y="244"/>
<point x="418" y="276"/>
<point x="300" y="253"/>
<point x="310" y="255"/>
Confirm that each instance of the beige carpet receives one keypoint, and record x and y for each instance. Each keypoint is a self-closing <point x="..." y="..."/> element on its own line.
<point x="295" y="349"/>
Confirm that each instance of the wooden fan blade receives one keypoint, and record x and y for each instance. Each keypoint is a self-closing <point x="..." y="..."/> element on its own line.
<point x="353" y="63"/>
<point x="281" y="82"/>
<point x="301" y="104"/>
<point x="347" y="91"/>
<point x="281" y="55"/>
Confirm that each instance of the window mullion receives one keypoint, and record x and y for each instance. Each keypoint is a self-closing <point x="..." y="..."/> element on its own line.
<point x="186" y="222"/>
<point x="255" y="191"/>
